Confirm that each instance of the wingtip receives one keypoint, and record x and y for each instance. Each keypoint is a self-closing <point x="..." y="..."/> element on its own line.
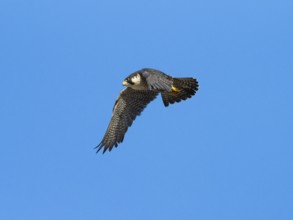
<point x="100" y="146"/>
<point x="166" y="104"/>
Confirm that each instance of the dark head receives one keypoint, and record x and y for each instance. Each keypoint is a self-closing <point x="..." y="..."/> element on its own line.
<point x="133" y="79"/>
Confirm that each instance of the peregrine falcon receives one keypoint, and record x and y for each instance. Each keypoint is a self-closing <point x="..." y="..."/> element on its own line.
<point x="142" y="87"/>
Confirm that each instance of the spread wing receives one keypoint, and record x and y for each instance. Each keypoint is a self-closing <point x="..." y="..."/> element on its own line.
<point x="129" y="104"/>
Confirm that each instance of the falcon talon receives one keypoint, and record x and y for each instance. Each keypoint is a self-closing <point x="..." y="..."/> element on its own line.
<point x="142" y="87"/>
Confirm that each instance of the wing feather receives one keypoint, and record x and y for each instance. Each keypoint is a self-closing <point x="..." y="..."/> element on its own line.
<point x="157" y="80"/>
<point x="129" y="104"/>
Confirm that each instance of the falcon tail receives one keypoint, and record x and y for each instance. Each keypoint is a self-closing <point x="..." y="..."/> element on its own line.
<point x="182" y="89"/>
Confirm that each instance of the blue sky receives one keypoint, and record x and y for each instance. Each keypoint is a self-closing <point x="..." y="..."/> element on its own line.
<point x="224" y="154"/>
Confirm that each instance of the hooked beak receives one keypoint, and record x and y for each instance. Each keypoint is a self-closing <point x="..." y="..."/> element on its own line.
<point x="125" y="83"/>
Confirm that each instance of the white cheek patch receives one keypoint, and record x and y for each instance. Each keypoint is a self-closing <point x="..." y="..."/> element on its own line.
<point x="136" y="79"/>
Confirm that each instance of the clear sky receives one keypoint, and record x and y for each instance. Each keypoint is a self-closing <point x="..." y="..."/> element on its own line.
<point x="227" y="153"/>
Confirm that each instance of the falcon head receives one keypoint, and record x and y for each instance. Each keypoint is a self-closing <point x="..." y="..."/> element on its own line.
<point x="132" y="80"/>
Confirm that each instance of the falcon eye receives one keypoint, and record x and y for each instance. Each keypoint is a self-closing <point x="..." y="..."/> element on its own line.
<point x="130" y="81"/>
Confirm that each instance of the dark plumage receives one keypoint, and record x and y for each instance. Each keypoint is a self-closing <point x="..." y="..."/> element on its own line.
<point x="143" y="86"/>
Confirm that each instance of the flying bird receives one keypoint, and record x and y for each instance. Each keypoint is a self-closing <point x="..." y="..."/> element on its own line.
<point x="142" y="87"/>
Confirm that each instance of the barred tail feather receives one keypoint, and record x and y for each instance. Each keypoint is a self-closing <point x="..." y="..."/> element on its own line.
<point x="183" y="88"/>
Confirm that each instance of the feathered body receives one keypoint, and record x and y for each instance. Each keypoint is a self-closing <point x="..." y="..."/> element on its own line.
<point x="143" y="86"/>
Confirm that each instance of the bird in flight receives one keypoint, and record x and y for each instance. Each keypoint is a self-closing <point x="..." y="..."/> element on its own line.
<point x="142" y="87"/>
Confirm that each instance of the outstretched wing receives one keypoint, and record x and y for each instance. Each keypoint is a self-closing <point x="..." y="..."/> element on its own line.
<point x="129" y="104"/>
